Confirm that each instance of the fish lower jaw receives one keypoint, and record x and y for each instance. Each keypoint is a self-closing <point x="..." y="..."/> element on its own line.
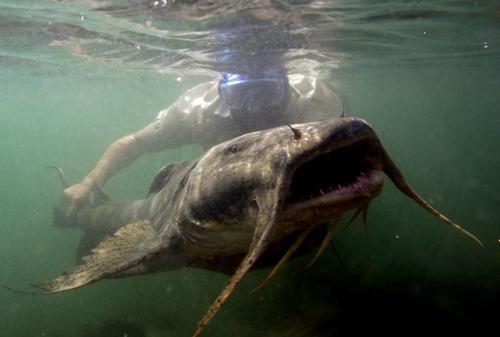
<point x="333" y="201"/>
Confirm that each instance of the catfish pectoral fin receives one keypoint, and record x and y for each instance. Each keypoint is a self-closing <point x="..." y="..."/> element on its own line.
<point x="266" y="221"/>
<point x="393" y="172"/>
<point x="128" y="247"/>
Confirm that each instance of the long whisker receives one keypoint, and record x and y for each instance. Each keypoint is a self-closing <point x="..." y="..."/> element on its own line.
<point x="392" y="171"/>
<point x="361" y="210"/>
<point x="365" y="217"/>
<point x="22" y="292"/>
<point x="326" y="241"/>
<point x="353" y="217"/>
<point x="341" y="261"/>
<point x="285" y="258"/>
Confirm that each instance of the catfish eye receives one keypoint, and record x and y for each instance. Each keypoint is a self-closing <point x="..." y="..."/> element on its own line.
<point x="233" y="148"/>
<point x="236" y="147"/>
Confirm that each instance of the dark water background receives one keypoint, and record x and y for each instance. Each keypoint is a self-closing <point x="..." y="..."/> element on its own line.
<point x="425" y="74"/>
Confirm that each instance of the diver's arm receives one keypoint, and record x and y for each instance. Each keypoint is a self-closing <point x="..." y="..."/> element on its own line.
<point x="174" y="126"/>
<point x="118" y="155"/>
<point x="122" y="152"/>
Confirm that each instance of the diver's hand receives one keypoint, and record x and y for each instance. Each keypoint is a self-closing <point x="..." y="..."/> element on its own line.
<point x="76" y="196"/>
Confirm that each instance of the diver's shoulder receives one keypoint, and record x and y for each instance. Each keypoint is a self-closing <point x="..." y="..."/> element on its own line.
<point x="315" y="95"/>
<point x="204" y="86"/>
<point x="306" y="84"/>
<point x="203" y="96"/>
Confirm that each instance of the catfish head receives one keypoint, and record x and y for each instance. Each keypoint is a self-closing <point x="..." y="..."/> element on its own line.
<point x="273" y="182"/>
<point x="303" y="174"/>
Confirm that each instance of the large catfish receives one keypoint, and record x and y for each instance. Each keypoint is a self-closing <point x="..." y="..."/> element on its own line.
<point x="260" y="192"/>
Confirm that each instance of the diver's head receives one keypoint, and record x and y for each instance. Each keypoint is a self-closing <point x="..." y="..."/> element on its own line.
<point x="255" y="100"/>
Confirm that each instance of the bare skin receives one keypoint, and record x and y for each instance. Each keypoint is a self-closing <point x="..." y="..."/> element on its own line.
<point x="120" y="154"/>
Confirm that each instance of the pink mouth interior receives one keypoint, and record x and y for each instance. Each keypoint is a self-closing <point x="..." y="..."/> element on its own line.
<point x="346" y="170"/>
<point x="362" y="181"/>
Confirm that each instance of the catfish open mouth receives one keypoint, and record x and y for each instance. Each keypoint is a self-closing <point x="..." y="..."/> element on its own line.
<point x="348" y="171"/>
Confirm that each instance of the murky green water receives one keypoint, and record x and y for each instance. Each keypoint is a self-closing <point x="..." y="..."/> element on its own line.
<point x="434" y="104"/>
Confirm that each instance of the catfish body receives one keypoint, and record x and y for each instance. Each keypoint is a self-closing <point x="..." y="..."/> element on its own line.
<point x="242" y="203"/>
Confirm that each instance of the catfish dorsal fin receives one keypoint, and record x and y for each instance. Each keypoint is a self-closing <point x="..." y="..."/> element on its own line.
<point x="164" y="174"/>
<point x="128" y="247"/>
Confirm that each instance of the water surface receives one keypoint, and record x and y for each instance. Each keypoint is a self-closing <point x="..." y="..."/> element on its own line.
<point x="76" y="75"/>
